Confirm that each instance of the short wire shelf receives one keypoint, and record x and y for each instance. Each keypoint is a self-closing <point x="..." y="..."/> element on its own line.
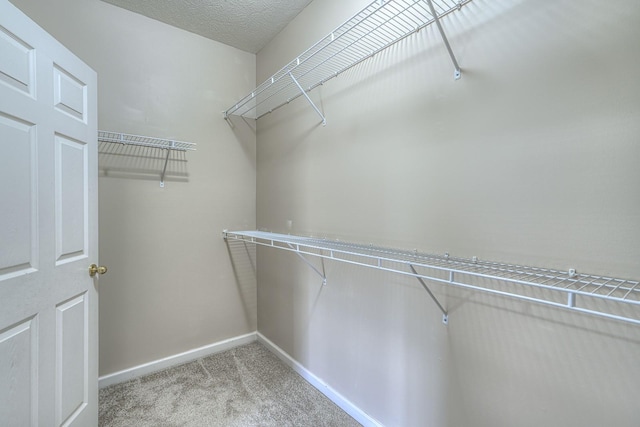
<point x="147" y="141"/>
<point x="378" y="26"/>
<point x="565" y="289"/>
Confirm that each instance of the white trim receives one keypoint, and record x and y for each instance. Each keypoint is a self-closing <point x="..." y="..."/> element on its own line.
<point x="325" y="389"/>
<point x="175" y="360"/>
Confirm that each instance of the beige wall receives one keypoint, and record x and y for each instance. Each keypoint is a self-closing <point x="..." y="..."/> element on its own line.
<point x="170" y="286"/>
<point x="532" y="158"/>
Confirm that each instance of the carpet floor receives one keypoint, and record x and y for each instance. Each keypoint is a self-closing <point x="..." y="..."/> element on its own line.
<point x="244" y="386"/>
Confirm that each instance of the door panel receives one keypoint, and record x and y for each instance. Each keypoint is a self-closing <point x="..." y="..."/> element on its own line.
<point x="70" y="199"/>
<point x="70" y="93"/>
<point x="18" y="70"/>
<point x="18" y="194"/>
<point x="72" y="358"/>
<point x="19" y="374"/>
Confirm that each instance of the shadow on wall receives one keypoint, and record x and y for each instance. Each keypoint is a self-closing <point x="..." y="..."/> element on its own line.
<point x="243" y="263"/>
<point x="521" y="353"/>
<point x="245" y="131"/>
<point x="138" y="162"/>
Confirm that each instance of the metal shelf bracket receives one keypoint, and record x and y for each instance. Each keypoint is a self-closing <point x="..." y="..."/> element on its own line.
<point x="445" y="316"/>
<point x="306" y="261"/>
<point x="456" y="72"/>
<point x="303" y="92"/>
<point x="166" y="161"/>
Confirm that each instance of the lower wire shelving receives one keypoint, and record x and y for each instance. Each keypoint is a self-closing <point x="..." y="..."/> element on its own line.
<point x="608" y="297"/>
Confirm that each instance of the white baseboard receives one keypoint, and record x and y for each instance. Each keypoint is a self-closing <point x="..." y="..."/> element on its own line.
<point x="177" y="359"/>
<point x="355" y="412"/>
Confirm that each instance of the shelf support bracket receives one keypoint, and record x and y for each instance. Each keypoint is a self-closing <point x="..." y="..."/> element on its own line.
<point x="456" y="73"/>
<point x="166" y="161"/>
<point x="445" y="315"/>
<point x="306" y="261"/>
<point x="324" y="121"/>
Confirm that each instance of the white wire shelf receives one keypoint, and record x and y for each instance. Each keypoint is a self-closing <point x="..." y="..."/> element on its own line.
<point x="378" y="26"/>
<point x="147" y="141"/>
<point x="608" y="297"/>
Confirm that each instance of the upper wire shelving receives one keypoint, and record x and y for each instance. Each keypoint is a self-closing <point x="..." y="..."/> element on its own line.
<point x="147" y="141"/>
<point x="378" y="26"/>
<point x="586" y="293"/>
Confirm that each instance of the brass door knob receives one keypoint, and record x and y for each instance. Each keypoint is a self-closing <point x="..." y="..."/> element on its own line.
<point x="94" y="269"/>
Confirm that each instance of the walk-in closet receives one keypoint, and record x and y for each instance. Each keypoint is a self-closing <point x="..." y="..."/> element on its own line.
<point x="412" y="213"/>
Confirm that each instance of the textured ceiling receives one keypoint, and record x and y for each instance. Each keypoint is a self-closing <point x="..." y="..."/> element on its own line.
<point x="245" y="24"/>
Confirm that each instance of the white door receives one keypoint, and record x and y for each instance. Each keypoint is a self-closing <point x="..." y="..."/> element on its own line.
<point x="48" y="229"/>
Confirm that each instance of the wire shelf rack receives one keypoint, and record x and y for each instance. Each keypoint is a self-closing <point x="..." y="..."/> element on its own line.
<point x="378" y="26"/>
<point x="608" y="297"/>
<point x="147" y="141"/>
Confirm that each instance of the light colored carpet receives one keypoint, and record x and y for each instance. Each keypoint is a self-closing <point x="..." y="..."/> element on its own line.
<point x="245" y="386"/>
